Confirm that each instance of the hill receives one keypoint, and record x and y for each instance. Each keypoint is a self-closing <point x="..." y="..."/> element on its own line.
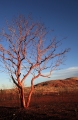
<point x="63" y="85"/>
<point x="60" y="83"/>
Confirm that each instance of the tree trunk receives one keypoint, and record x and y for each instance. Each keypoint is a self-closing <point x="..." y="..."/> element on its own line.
<point x="31" y="91"/>
<point x="22" y="97"/>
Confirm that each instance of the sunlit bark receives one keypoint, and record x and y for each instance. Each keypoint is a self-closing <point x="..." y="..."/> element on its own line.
<point x="29" y="96"/>
<point x="22" y="97"/>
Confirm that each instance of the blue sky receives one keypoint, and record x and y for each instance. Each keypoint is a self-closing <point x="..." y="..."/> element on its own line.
<point x="60" y="15"/>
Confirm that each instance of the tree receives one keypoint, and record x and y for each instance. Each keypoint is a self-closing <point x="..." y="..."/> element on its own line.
<point x="28" y="51"/>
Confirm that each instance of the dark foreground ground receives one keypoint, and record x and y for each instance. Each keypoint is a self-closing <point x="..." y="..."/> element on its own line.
<point x="44" y="107"/>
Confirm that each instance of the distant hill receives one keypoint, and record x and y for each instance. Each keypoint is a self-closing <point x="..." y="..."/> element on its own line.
<point x="73" y="81"/>
<point x="67" y="85"/>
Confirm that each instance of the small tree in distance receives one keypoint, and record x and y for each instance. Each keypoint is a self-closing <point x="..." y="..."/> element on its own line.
<point x="29" y="51"/>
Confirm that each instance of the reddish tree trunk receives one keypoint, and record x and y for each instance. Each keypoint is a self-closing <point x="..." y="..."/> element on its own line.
<point x="22" y="97"/>
<point x="29" y="97"/>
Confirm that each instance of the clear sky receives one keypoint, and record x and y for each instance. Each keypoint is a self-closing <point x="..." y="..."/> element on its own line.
<point x="60" y="15"/>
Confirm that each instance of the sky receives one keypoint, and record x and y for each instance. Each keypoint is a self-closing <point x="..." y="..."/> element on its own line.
<point x="59" y="15"/>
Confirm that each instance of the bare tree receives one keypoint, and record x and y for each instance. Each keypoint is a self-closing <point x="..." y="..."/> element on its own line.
<point x="26" y="50"/>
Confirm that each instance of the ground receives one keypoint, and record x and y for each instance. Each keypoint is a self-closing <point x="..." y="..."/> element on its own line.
<point x="63" y="106"/>
<point x="51" y="100"/>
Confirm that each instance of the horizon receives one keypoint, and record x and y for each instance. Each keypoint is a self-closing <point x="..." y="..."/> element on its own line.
<point x="43" y="82"/>
<point x="65" y="74"/>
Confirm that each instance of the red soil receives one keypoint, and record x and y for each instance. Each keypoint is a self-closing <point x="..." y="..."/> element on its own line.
<point x="46" y="107"/>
